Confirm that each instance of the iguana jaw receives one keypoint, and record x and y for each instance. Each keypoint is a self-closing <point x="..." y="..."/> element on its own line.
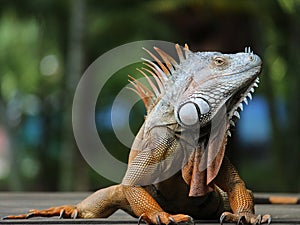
<point x="235" y="104"/>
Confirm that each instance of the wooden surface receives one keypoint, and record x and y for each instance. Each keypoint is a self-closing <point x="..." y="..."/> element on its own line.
<point x="17" y="203"/>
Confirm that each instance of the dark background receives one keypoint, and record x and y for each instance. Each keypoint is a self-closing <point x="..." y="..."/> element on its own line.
<point x="45" y="46"/>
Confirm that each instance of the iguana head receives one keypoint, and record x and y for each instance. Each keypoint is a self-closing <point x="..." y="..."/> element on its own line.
<point x="214" y="80"/>
<point x="201" y="83"/>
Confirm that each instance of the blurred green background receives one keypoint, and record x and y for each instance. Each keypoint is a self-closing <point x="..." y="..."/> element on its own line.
<point x="45" y="46"/>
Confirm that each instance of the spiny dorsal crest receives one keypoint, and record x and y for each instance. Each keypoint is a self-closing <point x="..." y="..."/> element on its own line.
<point x="160" y="70"/>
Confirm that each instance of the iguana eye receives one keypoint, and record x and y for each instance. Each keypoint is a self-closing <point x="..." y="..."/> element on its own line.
<point x="190" y="112"/>
<point x="219" y="61"/>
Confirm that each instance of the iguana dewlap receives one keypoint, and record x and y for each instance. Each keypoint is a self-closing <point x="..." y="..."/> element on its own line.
<point x="177" y="168"/>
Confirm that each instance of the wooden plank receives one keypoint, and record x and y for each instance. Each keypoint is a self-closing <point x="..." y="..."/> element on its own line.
<point x="17" y="203"/>
<point x="268" y="198"/>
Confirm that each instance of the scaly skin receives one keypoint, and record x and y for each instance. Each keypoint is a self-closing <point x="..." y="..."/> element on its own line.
<point x="241" y="200"/>
<point x="176" y="167"/>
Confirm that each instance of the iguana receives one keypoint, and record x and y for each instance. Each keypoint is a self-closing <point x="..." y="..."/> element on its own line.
<point x="177" y="169"/>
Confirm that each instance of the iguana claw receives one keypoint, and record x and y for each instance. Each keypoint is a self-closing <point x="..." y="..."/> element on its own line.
<point x="172" y="220"/>
<point x="66" y="211"/>
<point x="267" y="218"/>
<point x="140" y="220"/>
<point x="222" y="217"/>
<point x="241" y="219"/>
<point x="191" y="220"/>
<point x="244" y="218"/>
<point x="259" y="219"/>
<point x="164" y="218"/>
<point x="158" y="221"/>
<point x="61" y="214"/>
<point x="29" y="215"/>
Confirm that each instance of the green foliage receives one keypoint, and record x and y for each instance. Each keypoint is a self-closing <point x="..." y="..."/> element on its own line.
<point x="19" y="55"/>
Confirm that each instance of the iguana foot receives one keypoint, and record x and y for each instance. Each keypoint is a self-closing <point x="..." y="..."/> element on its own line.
<point x="164" y="218"/>
<point x="244" y="218"/>
<point x="65" y="211"/>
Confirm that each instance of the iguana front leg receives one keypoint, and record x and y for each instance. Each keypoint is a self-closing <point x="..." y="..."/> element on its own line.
<point x="147" y="162"/>
<point x="100" y="204"/>
<point x="241" y="200"/>
<point x="148" y="210"/>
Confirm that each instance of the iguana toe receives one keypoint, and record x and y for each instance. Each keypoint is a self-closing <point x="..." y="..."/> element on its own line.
<point x="244" y="218"/>
<point x="159" y="218"/>
<point x="266" y="219"/>
<point x="66" y="211"/>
